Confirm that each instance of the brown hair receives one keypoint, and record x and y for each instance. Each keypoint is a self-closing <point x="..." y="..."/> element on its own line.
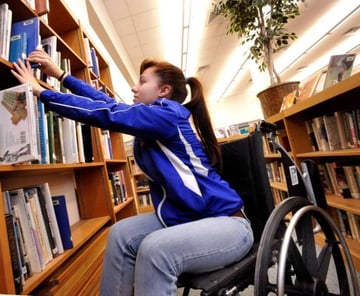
<point x="174" y="77"/>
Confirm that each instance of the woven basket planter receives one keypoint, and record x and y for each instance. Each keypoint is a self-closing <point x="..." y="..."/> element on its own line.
<point x="272" y="97"/>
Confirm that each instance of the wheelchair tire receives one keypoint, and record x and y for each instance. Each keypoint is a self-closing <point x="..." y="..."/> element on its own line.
<point x="300" y="268"/>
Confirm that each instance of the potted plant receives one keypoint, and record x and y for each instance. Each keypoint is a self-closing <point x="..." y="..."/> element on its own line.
<point x="262" y="22"/>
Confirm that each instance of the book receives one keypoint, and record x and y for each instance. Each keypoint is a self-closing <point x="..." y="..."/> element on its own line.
<point x="5" y="30"/>
<point x="320" y="133"/>
<point x="325" y="179"/>
<point x="339" y="68"/>
<point x="341" y="181"/>
<point x="18" y="45"/>
<point x="18" y="140"/>
<point x="17" y="200"/>
<point x="49" y="45"/>
<point x="42" y="7"/>
<point x="307" y="87"/>
<point x="14" y="253"/>
<point x="31" y="27"/>
<point x="350" y="124"/>
<point x="332" y="132"/>
<point x="43" y="133"/>
<point x="344" y="224"/>
<point x="46" y="193"/>
<point x="59" y="203"/>
<point x="88" y="58"/>
<point x="48" y="222"/>
<point x="289" y="100"/>
<point x="311" y="134"/>
<point x="351" y="181"/>
<point x="80" y="142"/>
<point x="87" y="142"/>
<point x="58" y="139"/>
<point x="40" y="226"/>
<point x="95" y="61"/>
<point x="70" y="151"/>
<point x="51" y="137"/>
<point x="339" y="117"/>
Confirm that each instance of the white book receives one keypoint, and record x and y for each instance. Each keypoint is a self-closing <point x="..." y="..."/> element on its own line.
<point x="33" y="199"/>
<point x="70" y="145"/>
<point x="50" y="208"/>
<point x="34" y="231"/>
<point x="5" y="30"/>
<point x="18" y="134"/>
<point x="4" y="7"/>
<point x="88" y="52"/>
<point x="17" y="200"/>
<point x="49" y="45"/>
<point x="80" y="143"/>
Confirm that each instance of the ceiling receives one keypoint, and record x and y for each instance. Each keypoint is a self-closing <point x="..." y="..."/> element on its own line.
<point x="138" y="25"/>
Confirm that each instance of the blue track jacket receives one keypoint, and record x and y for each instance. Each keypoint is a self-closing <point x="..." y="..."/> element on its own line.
<point x="184" y="187"/>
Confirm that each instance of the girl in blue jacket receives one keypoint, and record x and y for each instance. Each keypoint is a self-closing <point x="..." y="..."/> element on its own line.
<point x="196" y="226"/>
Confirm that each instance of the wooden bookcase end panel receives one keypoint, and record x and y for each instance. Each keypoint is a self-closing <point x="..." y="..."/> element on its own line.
<point x="7" y="282"/>
<point x="117" y="144"/>
<point x="93" y="193"/>
<point x="298" y="137"/>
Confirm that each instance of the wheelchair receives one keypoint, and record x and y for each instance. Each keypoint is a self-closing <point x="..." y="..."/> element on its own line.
<point x="284" y="259"/>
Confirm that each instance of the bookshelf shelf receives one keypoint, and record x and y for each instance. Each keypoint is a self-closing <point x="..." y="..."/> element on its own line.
<point x="85" y="184"/>
<point x="81" y="232"/>
<point x="347" y="204"/>
<point x="278" y="185"/>
<point x="341" y="97"/>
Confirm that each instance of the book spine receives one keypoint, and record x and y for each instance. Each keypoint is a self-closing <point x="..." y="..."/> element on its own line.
<point x="14" y="253"/>
<point x="62" y="218"/>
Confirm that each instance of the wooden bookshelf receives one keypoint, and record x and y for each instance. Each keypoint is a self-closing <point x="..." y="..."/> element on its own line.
<point x="85" y="183"/>
<point x="340" y="97"/>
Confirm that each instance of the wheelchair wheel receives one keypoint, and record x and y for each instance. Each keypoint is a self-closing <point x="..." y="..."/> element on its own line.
<point x="288" y="248"/>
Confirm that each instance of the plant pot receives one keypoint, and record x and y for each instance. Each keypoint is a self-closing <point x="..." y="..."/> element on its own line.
<point x="272" y="97"/>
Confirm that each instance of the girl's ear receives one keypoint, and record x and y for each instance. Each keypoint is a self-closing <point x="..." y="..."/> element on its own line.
<point x="165" y="91"/>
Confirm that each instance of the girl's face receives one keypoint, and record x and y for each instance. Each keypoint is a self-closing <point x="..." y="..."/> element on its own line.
<point x="148" y="88"/>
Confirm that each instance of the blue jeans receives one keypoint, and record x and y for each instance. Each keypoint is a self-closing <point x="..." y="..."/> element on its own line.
<point x="143" y="258"/>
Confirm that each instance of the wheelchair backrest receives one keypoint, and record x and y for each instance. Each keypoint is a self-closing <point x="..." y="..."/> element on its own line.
<point x="244" y="169"/>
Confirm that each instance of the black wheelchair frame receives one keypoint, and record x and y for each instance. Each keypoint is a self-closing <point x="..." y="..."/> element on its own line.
<point x="284" y="234"/>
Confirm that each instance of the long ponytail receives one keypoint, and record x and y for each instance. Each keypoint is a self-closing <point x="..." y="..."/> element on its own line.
<point x="201" y="118"/>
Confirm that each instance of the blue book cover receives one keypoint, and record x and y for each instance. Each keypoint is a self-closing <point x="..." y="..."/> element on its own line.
<point x="32" y="29"/>
<point x="18" y="44"/>
<point x="43" y="134"/>
<point x="95" y="63"/>
<point x="62" y="218"/>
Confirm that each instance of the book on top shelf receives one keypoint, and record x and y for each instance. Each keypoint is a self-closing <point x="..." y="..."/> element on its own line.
<point x="31" y="27"/>
<point x="18" y="134"/>
<point x="18" y="45"/>
<point x="289" y="100"/>
<point x="308" y="86"/>
<point x="339" y="68"/>
<point x="5" y="30"/>
<point x="42" y="7"/>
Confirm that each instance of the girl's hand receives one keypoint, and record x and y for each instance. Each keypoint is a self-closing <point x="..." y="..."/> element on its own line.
<point x="24" y="75"/>
<point x="45" y="62"/>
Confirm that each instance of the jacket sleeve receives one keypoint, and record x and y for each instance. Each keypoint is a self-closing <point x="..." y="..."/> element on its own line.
<point x="87" y="105"/>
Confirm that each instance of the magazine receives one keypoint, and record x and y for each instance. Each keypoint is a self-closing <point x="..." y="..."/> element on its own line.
<point x="339" y="68"/>
<point x="18" y="139"/>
